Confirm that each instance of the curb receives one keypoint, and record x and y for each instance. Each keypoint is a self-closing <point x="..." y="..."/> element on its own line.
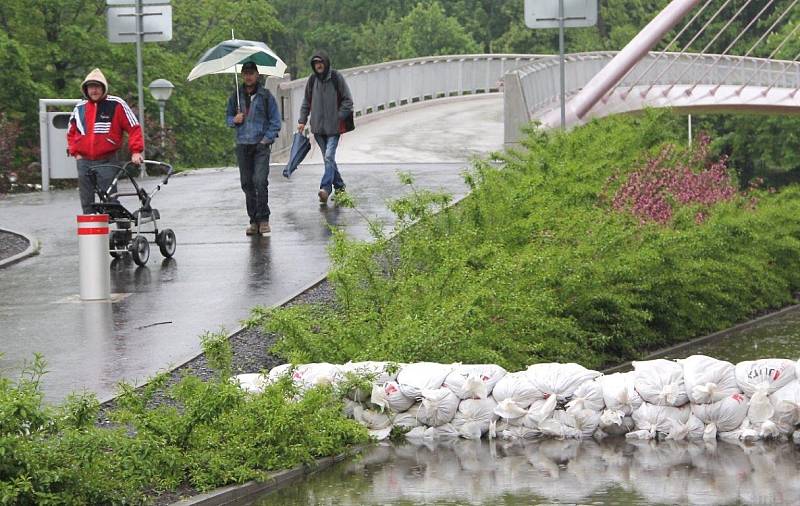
<point x="247" y="492"/>
<point x="33" y="249"/>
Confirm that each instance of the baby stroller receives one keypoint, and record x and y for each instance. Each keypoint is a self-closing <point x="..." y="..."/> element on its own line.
<point x="128" y="237"/>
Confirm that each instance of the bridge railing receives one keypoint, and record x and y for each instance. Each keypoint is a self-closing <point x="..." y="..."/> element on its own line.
<point x="402" y="83"/>
<point x="534" y="89"/>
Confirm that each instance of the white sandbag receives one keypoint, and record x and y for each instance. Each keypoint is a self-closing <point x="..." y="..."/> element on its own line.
<point x="560" y="380"/>
<point x="539" y="411"/>
<point x="474" y="381"/>
<point x="438" y="407"/>
<point x="652" y="420"/>
<point x="407" y="419"/>
<point x="446" y="431"/>
<point x="513" y="433"/>
<point x="349" y="407"/>
<point x="473" y="417"/>
<point x="722" y="416"/>
<point x="575" y="424"/>
<point x="277" y="372"/>
<point x="589" y="395"/>
<point x="374" y="372"/>
<point x="253" y="383"/>
<point x="619" y="393"/>
<point x="378" y="372"/>
<point x="768" y="373"/>
<point x="516" y="387"/>
<point x="660" y="382"/>
<point x="786" y="405"/>
<point x="311" y="375"/>
<point x="691" y="430"/>
<point x="615" y="425"/>
<point x="414" y="378"/>
<point x="380" y="434"/>
<point x="759" y="379"/>
<point x="744" y="433"/>
<point x="371" y="419"/>
<point x="389" y="396"/>
<point x="707" y="379"/>
<point x="508" y="409"/>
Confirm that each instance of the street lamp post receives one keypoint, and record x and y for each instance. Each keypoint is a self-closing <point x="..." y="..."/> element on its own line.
<point x="161" y="89"/>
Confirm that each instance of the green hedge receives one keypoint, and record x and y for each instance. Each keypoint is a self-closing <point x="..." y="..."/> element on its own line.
<point x="534" y="265"/>
<point x="193" y="434"/>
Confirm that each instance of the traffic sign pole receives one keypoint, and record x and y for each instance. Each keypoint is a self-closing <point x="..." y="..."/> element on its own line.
<point x="139" y="64"/>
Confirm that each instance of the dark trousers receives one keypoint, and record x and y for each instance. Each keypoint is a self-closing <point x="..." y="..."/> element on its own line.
<point x="253" y="162"/>
<point x="105" y="174"/>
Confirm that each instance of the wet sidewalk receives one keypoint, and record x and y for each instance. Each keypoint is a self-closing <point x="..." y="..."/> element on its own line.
<point x="217" y="273"/>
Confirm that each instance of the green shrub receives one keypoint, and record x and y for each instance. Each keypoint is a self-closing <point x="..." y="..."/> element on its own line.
<point x="535" y="264"/>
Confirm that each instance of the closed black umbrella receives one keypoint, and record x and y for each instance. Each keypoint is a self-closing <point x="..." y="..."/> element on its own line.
<point x="300" y="148"/>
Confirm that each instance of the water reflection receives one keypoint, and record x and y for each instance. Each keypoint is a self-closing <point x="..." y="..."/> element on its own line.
<point x="260" y="264"/>
<point x="615" y="471"/>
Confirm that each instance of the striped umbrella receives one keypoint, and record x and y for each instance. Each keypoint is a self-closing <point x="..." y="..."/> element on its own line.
<point x="227" y="58"/>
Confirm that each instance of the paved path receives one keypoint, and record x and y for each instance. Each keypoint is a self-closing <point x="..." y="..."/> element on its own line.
<point x="218" y="273"/>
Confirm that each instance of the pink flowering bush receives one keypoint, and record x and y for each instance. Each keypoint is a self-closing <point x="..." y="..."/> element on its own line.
<point x="674" y="179"/>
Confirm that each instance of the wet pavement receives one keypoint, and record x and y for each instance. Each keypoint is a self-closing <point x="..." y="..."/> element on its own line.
<point x="218" y="273"/>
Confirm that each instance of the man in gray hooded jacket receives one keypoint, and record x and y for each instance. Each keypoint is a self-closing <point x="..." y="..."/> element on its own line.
<point x="330" y="104"/>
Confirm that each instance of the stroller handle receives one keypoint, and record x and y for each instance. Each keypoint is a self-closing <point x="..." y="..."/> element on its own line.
<point x="152" y="162"/>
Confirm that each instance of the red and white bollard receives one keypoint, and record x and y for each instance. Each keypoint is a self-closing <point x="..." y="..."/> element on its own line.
<point x="93" y="257"/>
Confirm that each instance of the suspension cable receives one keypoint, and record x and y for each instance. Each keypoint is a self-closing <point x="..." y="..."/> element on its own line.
<point x="787" y="67"/>
<point x="683" y="51"/>
<point x="713" y="40"/>
<point x="771" y="55"/>
<point x="661" y="54"/>
<point x="733" y="43"/>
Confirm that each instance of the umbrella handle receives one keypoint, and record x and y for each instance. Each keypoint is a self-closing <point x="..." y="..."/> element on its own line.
<point x="236" y="80"/>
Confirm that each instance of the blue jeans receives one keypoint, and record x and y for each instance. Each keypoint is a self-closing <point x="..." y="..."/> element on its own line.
<point x="331" y="178"/>
<point x="254" y="175"/>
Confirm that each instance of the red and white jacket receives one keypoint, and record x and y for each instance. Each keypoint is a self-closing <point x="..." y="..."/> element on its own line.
<point x="95" y="128"/>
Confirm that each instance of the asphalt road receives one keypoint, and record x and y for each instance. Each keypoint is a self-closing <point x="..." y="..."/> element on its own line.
<point x="218" y="273"/>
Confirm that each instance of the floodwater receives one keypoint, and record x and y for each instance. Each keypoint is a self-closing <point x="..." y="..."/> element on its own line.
<point x="610" y="472"/>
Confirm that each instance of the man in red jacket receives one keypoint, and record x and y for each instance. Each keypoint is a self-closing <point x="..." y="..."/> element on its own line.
<point x="95" y="134"/>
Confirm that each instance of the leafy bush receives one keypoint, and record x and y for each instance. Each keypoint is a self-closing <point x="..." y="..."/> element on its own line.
<point x="536" y="264"/>
<point x="203" y="433"/>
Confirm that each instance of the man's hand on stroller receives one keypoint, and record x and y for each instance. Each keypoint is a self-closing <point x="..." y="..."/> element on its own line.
<point x="137" y="158"/>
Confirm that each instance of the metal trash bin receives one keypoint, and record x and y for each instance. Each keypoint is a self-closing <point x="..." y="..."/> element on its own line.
<point x="53" y="125"/>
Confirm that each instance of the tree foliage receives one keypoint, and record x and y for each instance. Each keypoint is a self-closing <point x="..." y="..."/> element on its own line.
<point x="48" y="46"/>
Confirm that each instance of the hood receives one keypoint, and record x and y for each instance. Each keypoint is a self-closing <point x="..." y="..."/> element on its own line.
<point x="326" y="59"/>
<point x="95" y="76"/>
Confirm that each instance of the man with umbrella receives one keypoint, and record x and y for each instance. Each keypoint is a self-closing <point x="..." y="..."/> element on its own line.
<point x="253" y="113"/>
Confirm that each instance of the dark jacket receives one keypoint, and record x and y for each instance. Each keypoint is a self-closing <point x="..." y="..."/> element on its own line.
<point x="327" y="98"/>
<point x="262" y="119"/>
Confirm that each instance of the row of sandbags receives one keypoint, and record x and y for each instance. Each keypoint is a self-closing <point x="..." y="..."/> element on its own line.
<point x="694" y="398"/>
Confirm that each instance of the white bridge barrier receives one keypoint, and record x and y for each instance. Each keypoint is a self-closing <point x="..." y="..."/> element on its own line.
<point x="402" y="83"/>
<point x="683" y="81"/>
<point x="697" y="398"/>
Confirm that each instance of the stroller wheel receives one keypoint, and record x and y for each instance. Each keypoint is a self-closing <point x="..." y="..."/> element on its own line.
<point x="166" y="242"/>
<point x="140" y="250"/>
